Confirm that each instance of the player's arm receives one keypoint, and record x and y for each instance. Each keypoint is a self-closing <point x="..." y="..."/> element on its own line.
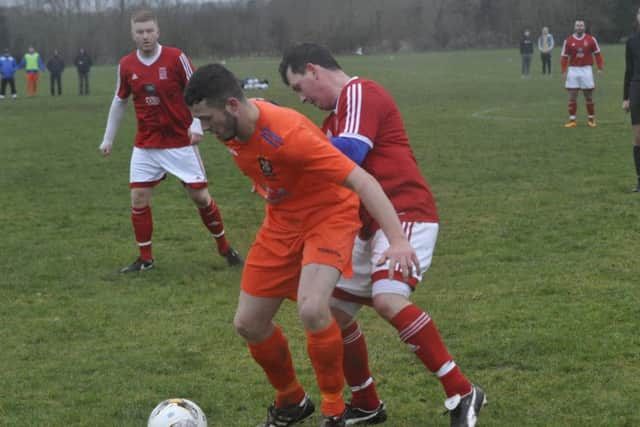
<point x="185" y="70"/>
<point x="116" y="113"/>
<point x="353" y="148"/>
<point x="400" y="253"/>
<point x="597" y="54"/>
<point x="564" y="58"/>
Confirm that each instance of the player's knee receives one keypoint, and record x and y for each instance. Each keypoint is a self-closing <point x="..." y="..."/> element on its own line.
<point x="314" y="316"/>
<point x="247" y="329"/>
<point x="388" y="305"/>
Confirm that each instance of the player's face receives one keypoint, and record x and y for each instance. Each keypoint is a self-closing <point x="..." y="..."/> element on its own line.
<point x="310" y="89"/>
<point x="579" y="27"/>
<point x="217" y="121"/>
<point x="145" y="35"/>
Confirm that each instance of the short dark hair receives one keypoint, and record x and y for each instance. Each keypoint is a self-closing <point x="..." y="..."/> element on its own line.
<point x="213" y="83"/>
<point x="298" y="56"/>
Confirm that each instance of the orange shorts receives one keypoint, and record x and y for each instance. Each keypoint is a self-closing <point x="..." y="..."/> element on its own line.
<point x="275" y="260"/>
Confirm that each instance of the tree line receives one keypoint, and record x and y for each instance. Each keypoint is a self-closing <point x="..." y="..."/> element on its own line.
<point x="264" y="27"/>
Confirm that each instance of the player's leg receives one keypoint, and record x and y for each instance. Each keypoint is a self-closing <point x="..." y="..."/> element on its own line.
<point x="573" y="107"/>
<point x="324" y="340"/>
<point x="144" y="174"/>
<point x="417" y="329"/>
<point x="12" y="83"/>
<point x="591" y="108"/>
<point x="186" y="164"/>
<point x="3" y="87"/>
<point x="349" y="296"/>
<point x="634" y="110"/>
<point x="271" y="274"/>
<point x="212" y="220"/>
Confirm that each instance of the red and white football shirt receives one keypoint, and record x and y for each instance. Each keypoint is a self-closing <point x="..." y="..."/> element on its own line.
<point x="157" y="85"/>
<point x="366" y="111"/>
<point x="579" y="51"/>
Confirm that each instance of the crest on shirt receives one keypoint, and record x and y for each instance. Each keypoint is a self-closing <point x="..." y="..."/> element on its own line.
<point x="162" y="73"/>
<point x="265" y="166"/>
<point x="150" y="88"/>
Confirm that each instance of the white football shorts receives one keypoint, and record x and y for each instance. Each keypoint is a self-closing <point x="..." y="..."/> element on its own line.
<point x="370" y="279"/>
<point x="150" y="165"/>
<point x="580" y="78"/>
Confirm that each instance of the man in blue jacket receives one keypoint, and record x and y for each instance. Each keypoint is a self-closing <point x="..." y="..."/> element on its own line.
<point x="8" y="67"/>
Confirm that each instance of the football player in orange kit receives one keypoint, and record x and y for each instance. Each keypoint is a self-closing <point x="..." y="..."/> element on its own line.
<point x="305" y="241"/>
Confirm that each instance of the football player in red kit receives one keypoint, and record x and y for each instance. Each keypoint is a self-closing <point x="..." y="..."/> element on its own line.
<point x="578" y="52"/>
<point x="167" y="133"/>
<point x="365" y="124"/>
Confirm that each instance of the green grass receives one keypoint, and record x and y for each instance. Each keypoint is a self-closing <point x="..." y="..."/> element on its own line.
<point x="534" y="282"/>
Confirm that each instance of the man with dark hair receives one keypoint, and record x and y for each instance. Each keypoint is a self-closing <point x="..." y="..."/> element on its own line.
<point x="55" y="65"/>
<point x="365" y="124"/>
<point x="83" y="65"/>
<point x="306" y="238"/>
<point x="167" y="137"/>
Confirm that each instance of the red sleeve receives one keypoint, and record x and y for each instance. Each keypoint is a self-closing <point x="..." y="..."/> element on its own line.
<point x="185" y="68"/>
<point x="596" y="53"/>
<point x="359" y="112"/>
<point x="564" y="61"/>
<point x="599" y="60"/>
<point x="123" y="90"/>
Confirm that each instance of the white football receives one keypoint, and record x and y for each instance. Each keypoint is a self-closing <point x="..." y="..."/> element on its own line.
<point x="177" y="413"/>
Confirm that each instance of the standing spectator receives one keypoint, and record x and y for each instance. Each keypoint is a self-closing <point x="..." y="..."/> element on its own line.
<point x="8" y="67"/>
<point x="55" y="65"/>
<point x="631" y="94"/>
<point x="526" y="51"/>
<point x="578" y="52"/>
<point x="32" y="63"/>
<point x="83" y="64"/>
<point x="545" y="46"/>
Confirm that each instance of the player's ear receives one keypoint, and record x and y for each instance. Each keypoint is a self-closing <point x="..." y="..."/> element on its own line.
<point x="312" y="68"/>
<point x="232" y="105"/>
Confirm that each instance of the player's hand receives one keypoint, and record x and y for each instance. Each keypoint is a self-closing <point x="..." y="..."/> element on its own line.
<point x="599" y="71"/>
<point x="625" y="105"/>
<point x="401" y="255"/>
<point x="195" y="137"/>
<point x="105" y="148"/>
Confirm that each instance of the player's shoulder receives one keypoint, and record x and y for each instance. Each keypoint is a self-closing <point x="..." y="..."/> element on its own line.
<point x="129" y="59"/>
<point x="172" y="51"/>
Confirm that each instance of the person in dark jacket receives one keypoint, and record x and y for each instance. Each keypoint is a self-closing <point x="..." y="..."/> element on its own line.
<point x="55" y="65"/>
<point x="83" y="64"/>
<point x="526" y="51"/>
<point x="631" y="94"/>
<point x="8" y="67"/>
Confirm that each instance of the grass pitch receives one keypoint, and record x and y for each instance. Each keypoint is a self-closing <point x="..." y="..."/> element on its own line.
<point x="534" y="283"/>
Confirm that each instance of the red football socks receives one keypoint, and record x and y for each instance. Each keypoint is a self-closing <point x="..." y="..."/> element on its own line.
<point x="212" y="219"/>
<point x="356" y="369"/>
<point x="417" y="329"/>
<point x="142" y="229"/>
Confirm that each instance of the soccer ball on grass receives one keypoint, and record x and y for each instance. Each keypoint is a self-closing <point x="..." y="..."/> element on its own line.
<point x="177" y="413"/>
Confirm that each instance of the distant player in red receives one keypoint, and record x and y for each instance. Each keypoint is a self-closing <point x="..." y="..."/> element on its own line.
<point x="578" y="52"/>
<point x="365" y="124"/>
<point x="306" y="238"/>
<point x="167" y="135"/>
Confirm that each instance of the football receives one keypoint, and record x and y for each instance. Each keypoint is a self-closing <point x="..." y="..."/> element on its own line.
<point x="177" y="413"/>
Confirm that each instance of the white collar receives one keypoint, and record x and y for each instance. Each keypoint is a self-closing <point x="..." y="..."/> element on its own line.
<point x="149" y="61"/>
<point x="579" y="38"/>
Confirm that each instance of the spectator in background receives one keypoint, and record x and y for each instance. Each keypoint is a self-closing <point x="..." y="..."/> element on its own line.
<point x="8" y="67"/>
<point x="83" y="64"/>
<point x="545" y="46"/>
<point x="526" y="51"/>
<point x="55" y="65"/>
<point x="32" y="63"/>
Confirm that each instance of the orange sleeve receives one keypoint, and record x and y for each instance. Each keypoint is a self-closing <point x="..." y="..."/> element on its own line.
<point x="312" y="153"/>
